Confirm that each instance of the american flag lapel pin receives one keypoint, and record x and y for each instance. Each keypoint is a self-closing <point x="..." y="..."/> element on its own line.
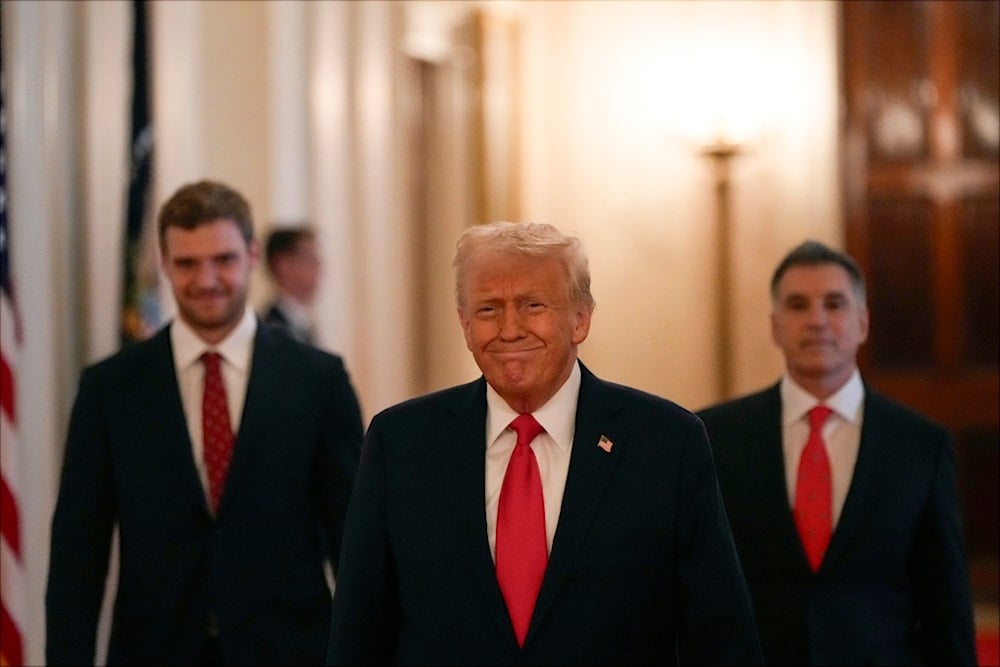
<point x="605" y="443"/>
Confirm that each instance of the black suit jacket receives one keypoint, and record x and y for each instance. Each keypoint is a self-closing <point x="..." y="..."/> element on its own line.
<point x="258" y="566"/>
<point x="893" y="586"/>
<point x="642" y="567"/>
<point x="276" y="317"/>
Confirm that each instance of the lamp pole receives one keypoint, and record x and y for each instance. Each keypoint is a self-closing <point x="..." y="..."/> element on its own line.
<point x="721" y="154"/>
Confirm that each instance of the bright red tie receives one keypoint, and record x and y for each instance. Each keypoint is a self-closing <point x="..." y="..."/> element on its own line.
<point x="217" y="434"/>
<point x="520" y="541"/>
<point x="813" y="494"/>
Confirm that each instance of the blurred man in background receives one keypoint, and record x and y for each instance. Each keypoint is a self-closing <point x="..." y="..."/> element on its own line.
<point x="294" y="265"/>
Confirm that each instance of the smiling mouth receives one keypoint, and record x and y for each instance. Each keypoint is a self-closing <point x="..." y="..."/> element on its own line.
<point x="514" y="353"/>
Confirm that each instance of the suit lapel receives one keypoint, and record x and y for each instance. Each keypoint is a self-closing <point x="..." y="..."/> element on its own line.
<point x="461" y="448"/>
<point x="873" y="428"/>
<point x="257" y="408"/>
<point x="590" y="469"/>
<point x="768" y="466"/>
<point x="166" y="407"/>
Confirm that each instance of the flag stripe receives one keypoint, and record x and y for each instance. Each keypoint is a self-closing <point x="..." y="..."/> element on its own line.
<point x="7" y="399"/>
<point x="10" y="521"/>
<point x="10" y="639"/>
<point x="12" y="579"/>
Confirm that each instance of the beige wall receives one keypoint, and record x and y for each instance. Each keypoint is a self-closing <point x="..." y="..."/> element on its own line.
<point x="615" y="93"/>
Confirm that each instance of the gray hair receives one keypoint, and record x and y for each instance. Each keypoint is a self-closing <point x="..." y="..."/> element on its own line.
<point x="814" y="253"/>
<point x="534" y="239"/>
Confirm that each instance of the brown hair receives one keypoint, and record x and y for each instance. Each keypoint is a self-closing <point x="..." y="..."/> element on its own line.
<point x="196" y="204"/>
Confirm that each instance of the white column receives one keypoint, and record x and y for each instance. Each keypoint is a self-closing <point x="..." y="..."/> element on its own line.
<point x="106" y="52"/>
<point x="176" y="63"/>
<point x="332" y="191"/>
<point x="366" y="314"/>
<point x="289" y="111"/>
<point x="387" y="269"/>
<point x="37" y="58"/>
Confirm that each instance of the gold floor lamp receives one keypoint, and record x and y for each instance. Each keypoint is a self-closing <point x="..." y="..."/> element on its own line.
<point x="721" y="153"/>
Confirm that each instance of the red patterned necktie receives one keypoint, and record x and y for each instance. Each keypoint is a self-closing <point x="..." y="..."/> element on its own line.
<point x="217" y="434"/>
<point x="520" y="541"/>
<point x="813" y="494"/>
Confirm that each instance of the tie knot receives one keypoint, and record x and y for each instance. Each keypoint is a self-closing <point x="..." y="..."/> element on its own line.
<point x="211" y="360"/>
<point x="526" y="427"/>
<point x="818" y="415"/>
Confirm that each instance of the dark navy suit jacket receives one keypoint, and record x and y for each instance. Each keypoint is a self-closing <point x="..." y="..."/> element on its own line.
<point x="258" y="566"/>
<point x="276" y="317"/>
<point x="893" y="586"/>
<point x="642" y="568"/>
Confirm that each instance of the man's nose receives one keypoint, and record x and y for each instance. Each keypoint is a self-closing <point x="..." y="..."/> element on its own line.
<point x="510" y="324"/>
<point x="206" y="274"/>
<point x="817" y="314"/>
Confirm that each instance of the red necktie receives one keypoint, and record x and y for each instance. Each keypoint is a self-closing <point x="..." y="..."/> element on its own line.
<point x="813" y="494"/>
<point x="217" y="434"/>
<point x="520" y="541"/>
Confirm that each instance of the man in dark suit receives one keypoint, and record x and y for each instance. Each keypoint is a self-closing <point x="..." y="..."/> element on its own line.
<point x="222" y="560"/>
<point x="293" y="263"/>
<point x="888" y="581"/>
<point x="629" y="559"/>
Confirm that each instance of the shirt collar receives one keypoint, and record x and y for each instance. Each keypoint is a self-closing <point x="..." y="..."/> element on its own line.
<point x="557" y="416"/>
<point x="235" y="348"/>
<point x="797" y="402"/>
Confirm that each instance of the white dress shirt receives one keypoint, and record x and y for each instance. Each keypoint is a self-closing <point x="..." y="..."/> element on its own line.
<point x="236" y="350"/>
<point x="552" y="450"/>
<point x="841" y="434"/>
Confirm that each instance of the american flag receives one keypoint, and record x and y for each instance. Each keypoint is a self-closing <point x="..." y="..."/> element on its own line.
<point x="140" y="303"/>
<point x="12" y="584"/>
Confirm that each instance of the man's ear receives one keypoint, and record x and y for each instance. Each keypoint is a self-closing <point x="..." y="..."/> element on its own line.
<point x="581" y="328"/>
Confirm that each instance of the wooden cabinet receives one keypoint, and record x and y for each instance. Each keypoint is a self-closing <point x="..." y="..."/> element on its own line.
<point x="922" y="204"/>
